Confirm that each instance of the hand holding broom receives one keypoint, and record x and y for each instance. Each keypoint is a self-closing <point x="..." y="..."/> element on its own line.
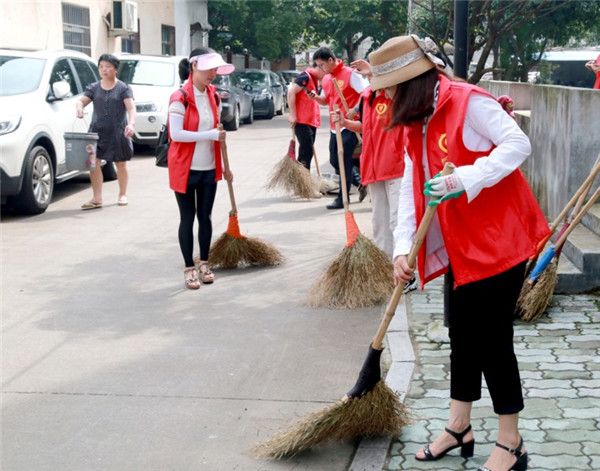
<point x="345" y="103"/>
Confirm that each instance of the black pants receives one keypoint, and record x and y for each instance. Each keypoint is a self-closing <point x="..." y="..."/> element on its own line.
<point x="198" y="202"/>
<point x="306" y="139"/>
<point x="352" y="176"/>
<point x="480" y="320"/>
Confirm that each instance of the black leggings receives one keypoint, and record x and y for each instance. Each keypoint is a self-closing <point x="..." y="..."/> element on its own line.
<point x="197" y="201"/>
<point x="480" y="320"/>
<point x="306" y="139"/>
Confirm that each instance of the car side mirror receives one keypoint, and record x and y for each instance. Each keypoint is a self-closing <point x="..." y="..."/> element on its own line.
<point x="61" y="90"/>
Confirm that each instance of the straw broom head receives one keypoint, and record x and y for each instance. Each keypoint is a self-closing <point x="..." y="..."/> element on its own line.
<point x="360" y="276"/>
<point x="232" y="249"/>
<point x="534" y="298"/>
<point x="294" y="178"/>
<point x="379" y="412"/>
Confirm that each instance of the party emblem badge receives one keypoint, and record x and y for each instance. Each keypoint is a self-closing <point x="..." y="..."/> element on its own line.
<point x="381" y="108"/>
<point x="339" y="82"/>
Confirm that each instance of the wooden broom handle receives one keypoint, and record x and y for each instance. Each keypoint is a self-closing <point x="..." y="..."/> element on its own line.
<point x="345" y="103"/>
<point x="341" y="165"/>
<point x="228" y="169"/>
<point x="390" y="311"/>
<point x="577" y="219"/>
<point x="316" y="162"/>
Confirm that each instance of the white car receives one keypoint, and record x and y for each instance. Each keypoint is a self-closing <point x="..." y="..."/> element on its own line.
<point x="152" y="79"/>
<point x="38" y="91"/>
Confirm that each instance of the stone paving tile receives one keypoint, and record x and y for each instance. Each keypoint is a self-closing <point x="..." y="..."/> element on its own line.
<point x="559" y="356"/>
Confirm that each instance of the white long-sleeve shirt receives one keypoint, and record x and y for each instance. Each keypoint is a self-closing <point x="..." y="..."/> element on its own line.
<point x="486" y="124"/>
<point x="204" y="152"/>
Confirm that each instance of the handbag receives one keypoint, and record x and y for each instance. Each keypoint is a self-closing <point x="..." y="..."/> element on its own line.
<point x="164" y="141"/>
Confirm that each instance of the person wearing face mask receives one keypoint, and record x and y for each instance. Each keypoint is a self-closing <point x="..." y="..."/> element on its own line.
<point x="195" y="162"/>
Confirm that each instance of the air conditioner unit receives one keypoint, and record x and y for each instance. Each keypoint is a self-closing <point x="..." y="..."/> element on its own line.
<point x="124" y="17"/>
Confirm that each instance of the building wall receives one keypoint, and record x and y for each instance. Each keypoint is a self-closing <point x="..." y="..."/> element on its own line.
<point x="38" y="25"/>
<point x="562" y="125"/>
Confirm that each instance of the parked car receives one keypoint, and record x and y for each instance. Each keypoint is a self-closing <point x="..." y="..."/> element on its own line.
<point x="285" y="86"/>
<point x="289" y="76"/>
<point x="237" y="103"/>
<point x="152" y="79"/>
<point x="38" y="90"/>
<point x="267" y="90"/>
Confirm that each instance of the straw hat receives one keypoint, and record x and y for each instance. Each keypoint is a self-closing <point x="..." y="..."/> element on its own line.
<point x="400" y="59"/>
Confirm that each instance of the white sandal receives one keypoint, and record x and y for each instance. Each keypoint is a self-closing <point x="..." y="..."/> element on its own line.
<point x="206" y="275"/>
<point x="191" y="278"/>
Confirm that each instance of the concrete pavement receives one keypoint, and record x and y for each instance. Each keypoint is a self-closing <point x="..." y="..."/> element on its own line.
<point x="108" y="363"/>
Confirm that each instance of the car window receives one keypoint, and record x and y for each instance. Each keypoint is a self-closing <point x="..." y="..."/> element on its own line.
<point x="221" y="80"/>
<point x="62" y="72"/>
<point x="255" y="78"/>
<point x="143" y="72"/>
<point x="20" y="74"/>
<point x="86" y="72"/>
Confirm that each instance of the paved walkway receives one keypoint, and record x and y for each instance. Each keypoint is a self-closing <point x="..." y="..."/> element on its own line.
<point x="560" y="368"/>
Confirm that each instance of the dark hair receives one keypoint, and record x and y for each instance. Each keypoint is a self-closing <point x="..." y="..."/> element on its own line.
<point x="413" y="101"/>
<point x="185" y="67"/>
<point x="111" y="59"/>
<point x="323" y="53"/>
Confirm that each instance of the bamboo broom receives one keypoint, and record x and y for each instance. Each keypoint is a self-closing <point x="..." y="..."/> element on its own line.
<point x="361" y="275"/>
<point x="370" y="407"/>
<point x="234" y="249"/>
<point x="292" y="176"/>
<point x="537" y="290"/>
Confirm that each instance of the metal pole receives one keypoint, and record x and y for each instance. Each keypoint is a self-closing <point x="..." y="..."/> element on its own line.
<point x="461" y="33"/>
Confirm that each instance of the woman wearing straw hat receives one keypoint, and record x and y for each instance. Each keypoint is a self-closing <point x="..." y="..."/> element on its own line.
<point x="195" y="164"/>
<point x="485" y="229"/>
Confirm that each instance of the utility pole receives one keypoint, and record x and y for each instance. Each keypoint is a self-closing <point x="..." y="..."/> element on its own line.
<point x="461" y="30"/>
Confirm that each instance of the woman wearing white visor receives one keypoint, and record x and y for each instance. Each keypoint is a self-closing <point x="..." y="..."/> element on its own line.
<point x="195" y="164"/>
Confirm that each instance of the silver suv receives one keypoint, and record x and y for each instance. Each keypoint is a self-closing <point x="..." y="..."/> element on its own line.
<point x="38" y="90"/>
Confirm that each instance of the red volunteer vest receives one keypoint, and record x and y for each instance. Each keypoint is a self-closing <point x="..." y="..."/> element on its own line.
<point x="382" y="156"/>
<point x="342" y="74"/>
<point x="501" y="227"/>
<point x="307" y="110"/>
<point x="181" y="153"/>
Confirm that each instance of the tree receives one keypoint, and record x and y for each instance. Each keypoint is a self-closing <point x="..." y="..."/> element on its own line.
<point x="516" y="31"/>
<point x="347" y="24"/>
<point x="266" y="28"/>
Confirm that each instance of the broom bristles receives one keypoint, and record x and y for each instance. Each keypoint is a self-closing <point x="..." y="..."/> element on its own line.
<point x="230" y="252"/>
<point x="294" y="178"/>
<point x="534" y="298"/>
<point x="379" y="412"/>
<point x="360" y="276"/>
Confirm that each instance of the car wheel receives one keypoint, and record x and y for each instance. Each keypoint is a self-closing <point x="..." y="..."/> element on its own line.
<point x="234" y="124"/>
<point x="38" y="182"/>
<point x="250" y="118"/>
<point x="271" y="111"/>
<point x="109" y="171"/>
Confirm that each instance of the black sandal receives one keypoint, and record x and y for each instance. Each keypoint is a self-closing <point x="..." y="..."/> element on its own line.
<point x="466" y="448"/>
<point x="520" y="464"/>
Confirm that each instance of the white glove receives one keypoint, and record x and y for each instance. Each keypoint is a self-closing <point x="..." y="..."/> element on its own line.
<point x="444" y="188"/>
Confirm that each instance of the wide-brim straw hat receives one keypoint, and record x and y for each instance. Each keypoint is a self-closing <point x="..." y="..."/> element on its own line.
<point x="400" y="59"/>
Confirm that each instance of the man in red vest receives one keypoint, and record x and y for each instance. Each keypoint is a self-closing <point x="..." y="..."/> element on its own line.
<point x="304" y="112"/>
<point x="351" y="84"/>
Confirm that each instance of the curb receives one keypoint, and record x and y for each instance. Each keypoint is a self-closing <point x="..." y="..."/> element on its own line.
<point x="371" y="453"/>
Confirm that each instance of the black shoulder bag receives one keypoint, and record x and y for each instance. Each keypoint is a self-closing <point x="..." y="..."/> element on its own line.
<point x="164" y="142"/>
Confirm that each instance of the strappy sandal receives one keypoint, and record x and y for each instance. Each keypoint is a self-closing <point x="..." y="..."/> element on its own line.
<point x="191" y="278"/>
<point x="520" y="464"/>
<point x="91" y="205"/>
<point x="466" y="448"/>
<point x="206" y="276"/>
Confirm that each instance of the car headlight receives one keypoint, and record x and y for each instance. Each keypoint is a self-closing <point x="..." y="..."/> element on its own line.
<point x="9" y="124"/>
<point x="265" y="93"/>
<point x="145" y="107"/>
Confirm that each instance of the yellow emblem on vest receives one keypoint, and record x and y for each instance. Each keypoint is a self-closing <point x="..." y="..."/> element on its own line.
<point x="339" y="82"/>
<point x="443" y="143"/>
<point x="381" y="108"/>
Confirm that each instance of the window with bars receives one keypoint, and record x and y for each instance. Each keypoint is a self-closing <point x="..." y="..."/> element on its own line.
<point x="76" y="28"/>
<point x="168" y="40"/>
